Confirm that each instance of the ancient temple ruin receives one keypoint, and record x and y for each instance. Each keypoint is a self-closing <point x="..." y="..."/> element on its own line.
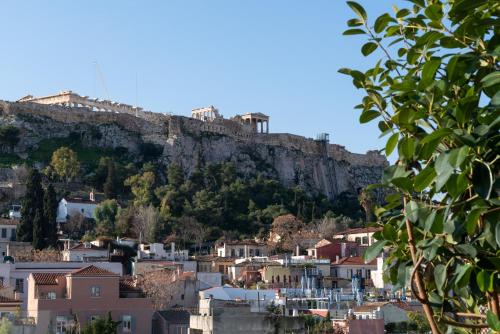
<point x="70" y="99"/>
<point x="255" y="120"/>
<point x="207" y="114"/>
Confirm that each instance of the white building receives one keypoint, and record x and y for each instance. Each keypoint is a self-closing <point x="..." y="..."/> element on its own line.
<point x="15" y="211"/>
<point x="156" y="251"/>
<point x="74" y="206"/>
<point x="363" y="235"/>
<point x="84" y="252"/>
<point x="7" y="233"/>
<point x="242" y="249"/>
<point x="347" y="267"/>
<point x="15" y="275"/>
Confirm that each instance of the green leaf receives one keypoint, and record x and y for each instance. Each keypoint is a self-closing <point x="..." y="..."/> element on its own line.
<point x="457" y="156"/>
<point x="358" y="9"/>
<point x="402" y="13"/>
<point x="467" y="249"/>
<point x="411" y="211"/>
<point x="440" y="277"/>
<point x="438" y="134"/>
<point x="482" y="179"/>
<point x="471" y="222"/>
<point x="354" y="32"/>
<point x="456" y="185"/>
<point x="434" y="12"/>
<point x="403" y="183"/>
<point x="368" y="48"/>
<point x="368" y="115"/>
<point x="493" y="321"/>
<point x="381" y="22"/>
<point x="406" y="148"/>
<point x="354" y="23"/>
<point x="391" y="144"/>
<point x="495" y="100"/>
<point x="389" y="232"/>
<point x="497" y="233"/>
<point x="484" y="281"/>
<point x="491" y="79"/>
<point x="463" y="275"/>
<point x="428" y="72"/>
<point x="429" y="221"/>
<point x="424" y="178"/>
<point x="374" y="250"/>
<point x="443" y="170"/>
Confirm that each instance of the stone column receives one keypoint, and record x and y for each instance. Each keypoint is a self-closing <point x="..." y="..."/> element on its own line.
<point x="261" y="126"/>
<point x="267" y="126"/>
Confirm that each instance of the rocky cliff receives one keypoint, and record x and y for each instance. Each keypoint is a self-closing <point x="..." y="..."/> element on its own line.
<point x="317" y="166"/>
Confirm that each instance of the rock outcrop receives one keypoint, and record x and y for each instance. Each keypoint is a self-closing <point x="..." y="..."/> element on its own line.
<point x="317" y="166"/>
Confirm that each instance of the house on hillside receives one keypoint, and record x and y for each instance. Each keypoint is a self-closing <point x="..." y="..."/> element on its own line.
<point x="242" y="249"/>
<point x="363" y="235"/>
<point x="66" y="301"/>
<point x="84" y="252"/>
<point x="333" y="249"/>
<point x="69" y="207"/>
<point x="343" y="270"/>
<point x="8" y="229"/>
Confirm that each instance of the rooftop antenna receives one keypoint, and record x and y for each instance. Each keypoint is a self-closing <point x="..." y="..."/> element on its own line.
<point x="101" y="77"/>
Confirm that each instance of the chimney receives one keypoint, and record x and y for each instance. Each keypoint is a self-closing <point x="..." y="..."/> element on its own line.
<point x="297" y="250"/>
<point x="172" y="248"/>
<point x="91" y="195"/>
<point x="336" y="258"/>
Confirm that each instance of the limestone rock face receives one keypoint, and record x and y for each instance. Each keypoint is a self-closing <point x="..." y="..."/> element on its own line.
<point x="318" y="167"/>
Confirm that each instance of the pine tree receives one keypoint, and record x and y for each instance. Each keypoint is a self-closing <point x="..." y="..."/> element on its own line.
<point x="38" y="231"/>
<point x="32" y="203"/>
<point x="111" y="182"/>
<point x="50" y="214"/>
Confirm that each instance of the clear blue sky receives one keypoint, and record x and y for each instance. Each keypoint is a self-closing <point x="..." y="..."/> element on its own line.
<point x="278" y="57"/>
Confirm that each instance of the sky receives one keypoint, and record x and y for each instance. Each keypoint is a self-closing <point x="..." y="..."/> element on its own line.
<point x="278" y="57"/>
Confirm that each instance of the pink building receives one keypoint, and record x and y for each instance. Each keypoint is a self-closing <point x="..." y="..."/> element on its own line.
<point x="61" y="301"/>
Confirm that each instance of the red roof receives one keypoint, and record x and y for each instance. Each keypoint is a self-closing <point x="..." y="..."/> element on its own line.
<point x="47" y="278"/>
<point x="4" y="221"/>
<point x="128" y="284"/>
<point x="92" y="271"/>
<point x="354" y="261"/>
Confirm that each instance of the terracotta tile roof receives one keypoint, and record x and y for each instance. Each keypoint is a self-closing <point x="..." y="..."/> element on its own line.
<point x="47" y="278"/>
<point x="4" y="221"/>
<point x="92" y="271"/>
<point x="128" y="284"/>
<point x="354" y="261"/>
<point x="360" y="230"/>
<point x="369" y="307"/>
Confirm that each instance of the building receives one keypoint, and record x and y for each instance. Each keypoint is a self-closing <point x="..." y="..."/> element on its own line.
<point x="156" y="251"/>
<point x="236" y="316"/>
<point x="206" y="114"/>
<point x="74" y="206"/>
<point x="62" y="301"/>
<point x="70" y="99"/>
<point x="15" y="211"/>
<point x="15" y="275"/>
<point x="85" y="252"/>
<point x="8" y="229"/>
<point x="214" y="264"/>
<point x="256" y="121"/>
<point x="173" y="321"/>
<point x="363" y="235"/>
<point x="343" y="270"/>
<point x="242" y="249"/>
<point x="326" y="249"/>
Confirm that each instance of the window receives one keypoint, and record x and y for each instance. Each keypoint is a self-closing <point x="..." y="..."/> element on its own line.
<point x="233" y="253"/>
<point x="359" y="273"/>
<point x="51" y="295"/>
<point x="61" y="325"/>
<point x="257" y="252"/>
<point x="334" y="272"/>
<point x="127" y="323"/>
<point x="251" y="251"/>
<point x="349" y="273"/>
<point x="4" y="233"/>
<point x="13" y="234"/>
<point x="241" y="252"/>
<point x="95" y="291"/>
<point x="20" y="285"/>
<point x="368" y="273"/>
<point x="365" y="240"/>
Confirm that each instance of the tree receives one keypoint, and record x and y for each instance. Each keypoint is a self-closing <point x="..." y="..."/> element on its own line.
<point x="9" y="136"/>
<point x="31" y="205"/>
<point x="77" y="225"/>
<point x="142" y="187"/>
<point x="101" y="326"/>
<point x="436" y="95"/>
<point x="105" y="215"/>
<point x="5" y="326"/>
<point x="159" y="286"/>
<point x="366" y="201"/>
<point x="50" y="215"/>
<point x="146" y="224"/>
<point x="38" y="231"/>
<point x="284" y="231"/>
<point x="110" y="186"/>
<point x="65" y="163"/>
<point x="125" y="221"/>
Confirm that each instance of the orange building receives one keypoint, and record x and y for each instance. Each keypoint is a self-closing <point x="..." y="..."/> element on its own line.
<point x="61" y="301"/>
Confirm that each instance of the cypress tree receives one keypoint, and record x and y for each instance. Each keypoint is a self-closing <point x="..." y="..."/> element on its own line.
<point x="50" y="215"/>
<point x="38" y="231"/>
<point x="111" y="184"/>
<point x="32" y="203"/>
